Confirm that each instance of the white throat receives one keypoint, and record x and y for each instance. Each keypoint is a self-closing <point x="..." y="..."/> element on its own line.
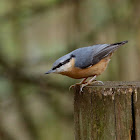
<point x="64" y="68"/>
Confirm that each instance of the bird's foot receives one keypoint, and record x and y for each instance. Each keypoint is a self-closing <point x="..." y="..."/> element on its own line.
<point x="90" y="81"/>
<point x="82" y="82"/>
<point x="86" y="84"/>
<point x="77" y="84"/>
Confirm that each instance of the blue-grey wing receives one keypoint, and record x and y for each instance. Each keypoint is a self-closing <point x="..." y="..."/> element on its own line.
<point x="89" y="56"/>
<point x="83" y="57"/>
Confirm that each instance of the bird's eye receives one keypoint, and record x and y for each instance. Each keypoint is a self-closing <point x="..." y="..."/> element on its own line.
<point x="59" y="65"/>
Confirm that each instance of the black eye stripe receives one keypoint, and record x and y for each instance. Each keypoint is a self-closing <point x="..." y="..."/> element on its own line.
<point x="63" y="63"/>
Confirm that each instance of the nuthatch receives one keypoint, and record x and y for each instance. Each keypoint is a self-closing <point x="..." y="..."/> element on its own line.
<point x="85" y="62"/>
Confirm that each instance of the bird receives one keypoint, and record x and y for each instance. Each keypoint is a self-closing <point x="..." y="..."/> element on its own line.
<point x="85" y="62"/>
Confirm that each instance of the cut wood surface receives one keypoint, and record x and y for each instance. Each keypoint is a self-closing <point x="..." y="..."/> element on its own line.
<point x="108" y="112"/>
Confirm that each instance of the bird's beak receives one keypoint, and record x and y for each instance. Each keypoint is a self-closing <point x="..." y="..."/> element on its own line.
<point x="50" y="71"/>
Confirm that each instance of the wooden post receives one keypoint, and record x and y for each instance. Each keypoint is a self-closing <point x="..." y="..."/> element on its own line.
<point x="109" y="112"/>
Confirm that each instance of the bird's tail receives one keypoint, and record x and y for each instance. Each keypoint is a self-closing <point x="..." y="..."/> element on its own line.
<point x="113" y="47"/>
<point x="108" y="49"/>
<point x="116" y="45"/>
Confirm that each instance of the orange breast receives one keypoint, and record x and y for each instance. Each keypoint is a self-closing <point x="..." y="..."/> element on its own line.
<point x="96" y="69"/>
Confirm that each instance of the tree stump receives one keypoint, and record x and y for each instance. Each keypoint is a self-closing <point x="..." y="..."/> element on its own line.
<point x="108" y="112"/>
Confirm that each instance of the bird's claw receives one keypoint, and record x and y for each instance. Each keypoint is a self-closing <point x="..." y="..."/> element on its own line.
<point x="83" y="85"/>
<point x="72" y="86"/>
<point x="99" y="82"/>
<point x="79" y="84"/>
<point x="81" y="88"/>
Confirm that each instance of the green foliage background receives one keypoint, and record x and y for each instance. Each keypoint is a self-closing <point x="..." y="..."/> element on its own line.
<point x="33" y="34"/>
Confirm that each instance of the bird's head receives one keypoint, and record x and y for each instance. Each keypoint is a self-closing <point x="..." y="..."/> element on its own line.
<point x="62" y="64"/>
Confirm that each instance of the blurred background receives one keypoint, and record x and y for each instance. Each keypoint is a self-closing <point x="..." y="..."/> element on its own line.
<point x="33" y="34"/>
